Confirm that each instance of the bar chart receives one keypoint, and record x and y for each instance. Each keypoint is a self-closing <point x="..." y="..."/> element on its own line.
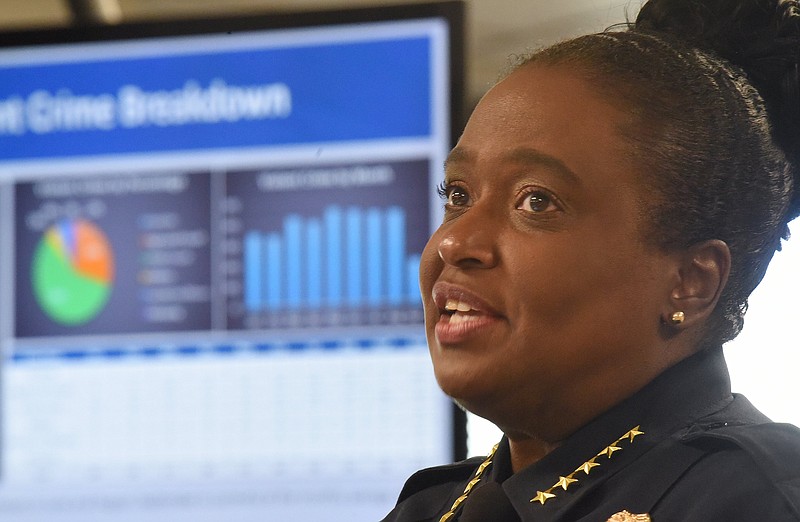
<point x="345" y="258"/>
<point x="351" y="260"/>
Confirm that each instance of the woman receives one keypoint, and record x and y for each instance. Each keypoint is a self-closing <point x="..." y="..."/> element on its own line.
<point x="609" y="208"/>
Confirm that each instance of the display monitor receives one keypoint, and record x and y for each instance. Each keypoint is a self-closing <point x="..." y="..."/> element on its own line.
<point x="210" y="235"/>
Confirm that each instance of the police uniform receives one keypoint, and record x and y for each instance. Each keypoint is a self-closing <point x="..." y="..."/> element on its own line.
<point x="682" y="449"/>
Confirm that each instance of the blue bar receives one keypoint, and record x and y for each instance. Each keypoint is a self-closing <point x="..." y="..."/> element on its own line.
<point x="287" y="99"/>
<point x="266" y="272"/>
<point x="395" y="253"/>
<point x="374" y="256"/>
<point x="354" y="264"/>
<point x="189" y="350"/>
<point x="366" y="343"/>
<point x="273" y="269"/>
<point x="333" y="269"/>
<point x="252" y="272"/>
<point x="293" y="232"/>
<point x="152" y="352"/>
<point x="333" y="344"/>
<point x="412" y="275"/>
<point x="314" y="263"/>
<point x="400" y="342"/>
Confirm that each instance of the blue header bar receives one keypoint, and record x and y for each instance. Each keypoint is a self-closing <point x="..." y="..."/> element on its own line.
<point x="232" y="98"/>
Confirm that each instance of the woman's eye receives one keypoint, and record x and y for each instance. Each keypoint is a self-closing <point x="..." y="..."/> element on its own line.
<point x="537" y="201"/>
<point x="454" y="195"/>
<point x="457" y="197"/>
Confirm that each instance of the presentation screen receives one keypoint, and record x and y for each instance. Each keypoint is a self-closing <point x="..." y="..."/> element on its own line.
<point x="209" y="249"/>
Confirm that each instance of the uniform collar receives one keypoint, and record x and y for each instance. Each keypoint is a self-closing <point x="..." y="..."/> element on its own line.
<point x="693" y="388"/>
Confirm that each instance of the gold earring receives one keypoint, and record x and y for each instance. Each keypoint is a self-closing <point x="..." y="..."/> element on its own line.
<point x="677" y="318"/>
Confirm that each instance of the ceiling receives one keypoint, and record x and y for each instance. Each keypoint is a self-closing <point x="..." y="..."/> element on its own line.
<point x="496" y="29"/>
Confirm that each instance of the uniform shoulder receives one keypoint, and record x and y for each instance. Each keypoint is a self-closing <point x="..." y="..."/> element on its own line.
<point x="749" y="468"/>
<point x="426" y="493"/>
<point x="773" y="447"/>
<point x="429" y="477"/>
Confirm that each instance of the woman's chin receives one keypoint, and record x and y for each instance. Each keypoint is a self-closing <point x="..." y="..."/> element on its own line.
<point x="455" y="382"/>
<point x="470" y="392"/>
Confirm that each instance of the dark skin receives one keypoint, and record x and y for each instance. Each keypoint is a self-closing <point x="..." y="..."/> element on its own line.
<point x="562" y="306"/>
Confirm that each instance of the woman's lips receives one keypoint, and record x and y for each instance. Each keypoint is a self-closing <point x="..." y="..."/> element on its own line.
<point x="462" y="314"/>
<point x="461" y="327"/>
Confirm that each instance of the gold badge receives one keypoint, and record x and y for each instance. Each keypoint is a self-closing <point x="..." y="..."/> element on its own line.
<point x="624" y="516"/>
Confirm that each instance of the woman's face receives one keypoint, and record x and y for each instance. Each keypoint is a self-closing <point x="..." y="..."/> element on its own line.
<point x="542" y="302"/>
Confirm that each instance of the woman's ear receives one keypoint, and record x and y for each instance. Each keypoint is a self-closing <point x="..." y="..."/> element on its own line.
<point x="701" y="278"/>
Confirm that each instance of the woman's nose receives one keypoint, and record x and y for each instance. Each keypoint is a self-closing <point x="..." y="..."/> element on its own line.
<point x="468" y="242"/>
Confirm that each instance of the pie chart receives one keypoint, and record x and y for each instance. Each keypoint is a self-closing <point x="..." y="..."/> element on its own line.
<point x="72" y="271"/>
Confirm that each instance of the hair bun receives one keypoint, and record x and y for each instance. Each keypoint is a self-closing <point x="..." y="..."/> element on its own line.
<point x="762" y="37"/>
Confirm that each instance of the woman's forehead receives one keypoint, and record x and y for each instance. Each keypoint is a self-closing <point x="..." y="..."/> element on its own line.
<point x="541" y="111"/>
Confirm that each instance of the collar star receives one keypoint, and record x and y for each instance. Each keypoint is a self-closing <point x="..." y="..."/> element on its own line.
<point x="634" y="433"/>
<point x="610" y="450"/>
<point x="564" y="482"/>
<point x="542" y="497"/>
<point x="587" y="466"/>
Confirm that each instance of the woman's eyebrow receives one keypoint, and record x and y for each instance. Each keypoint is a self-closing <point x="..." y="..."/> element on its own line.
<point x="457" y="155"/>
<point x="527" y="156"/>
<point x="533" y="157"/>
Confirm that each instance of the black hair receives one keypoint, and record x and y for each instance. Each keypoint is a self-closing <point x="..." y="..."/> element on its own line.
<point x="712" y="86"/>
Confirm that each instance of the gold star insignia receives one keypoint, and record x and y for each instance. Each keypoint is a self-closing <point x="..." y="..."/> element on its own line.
<point x="564" y="482"/>
<point x="609" y="450"/>
<point x="542" y="497"/>
<point x="634" y="433"/>
<point x="587" y="466"/>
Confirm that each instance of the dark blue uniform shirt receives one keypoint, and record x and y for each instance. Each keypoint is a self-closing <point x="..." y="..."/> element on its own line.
<point x="682" y="449"/>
